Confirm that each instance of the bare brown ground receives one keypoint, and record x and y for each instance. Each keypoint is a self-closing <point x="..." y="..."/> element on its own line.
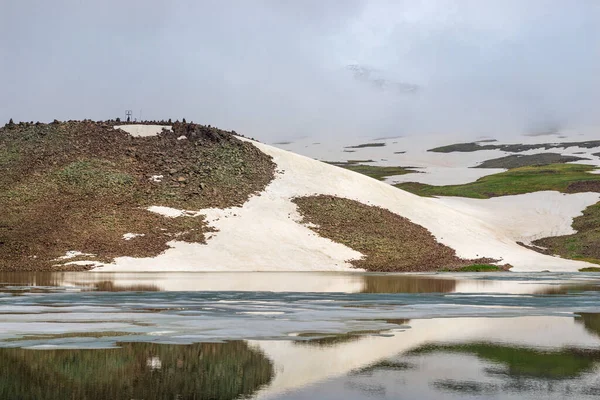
<point x="390" y="242"/>
<point x="82" y="185"/>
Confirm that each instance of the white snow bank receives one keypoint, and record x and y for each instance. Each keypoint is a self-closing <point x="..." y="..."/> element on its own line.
<point x="527" y="217"/>
<point x="143" y="130"/>
<point x="129" y="236"/>
<point x="439" y="168"/>
<point x="444" y="176"/>
<point x="265" y="235"/>
<point x="72" y="254"/>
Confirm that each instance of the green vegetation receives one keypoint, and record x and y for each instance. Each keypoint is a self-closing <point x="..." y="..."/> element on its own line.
<point x="519" y="160"/>
<point x="329" y="339"/>
<point x="373" y="171"/>
<point x="566" y="178"/>
<point x="590" y="269"/>
<point x="94" y="177"/>
<point x="82" y="185"/>
<point x="363" y="145"/>
<point x="525" y="362"/>
<point x="481" y="268"/>
<point x="385" y="365"/>
<point x="584" y="245"/>
<point x="512" y="148"/>
<point x="390" y="243"/>
<point x="223" y="371"/>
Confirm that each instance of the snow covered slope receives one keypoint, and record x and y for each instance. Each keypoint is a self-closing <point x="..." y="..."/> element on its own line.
<point x="265" y="235"/>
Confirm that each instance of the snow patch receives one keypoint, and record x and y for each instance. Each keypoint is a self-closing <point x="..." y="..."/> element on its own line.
<point x="441" y="176"/>
<point x="156" y="178"/>
<point x="527" y="217"/>
<point x="85" y="263"/>
<point x="72" y="254"/>
<point x="129" y="236"/>
<point x="173" y="212"/>
<point x="143" y="130"/>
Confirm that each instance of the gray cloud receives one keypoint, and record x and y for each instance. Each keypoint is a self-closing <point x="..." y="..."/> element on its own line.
<point x="279" y="69"/>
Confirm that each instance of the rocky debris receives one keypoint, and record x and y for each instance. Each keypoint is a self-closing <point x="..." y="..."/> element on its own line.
<point x="84" y="184"/>
<point x="583" y="186"/>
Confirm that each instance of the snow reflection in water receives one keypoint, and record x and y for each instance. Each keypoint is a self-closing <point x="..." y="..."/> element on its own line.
<point x="337" y="336"/>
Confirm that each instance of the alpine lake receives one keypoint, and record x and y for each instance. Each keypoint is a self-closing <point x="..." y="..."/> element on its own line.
<point x="240" y="335"/>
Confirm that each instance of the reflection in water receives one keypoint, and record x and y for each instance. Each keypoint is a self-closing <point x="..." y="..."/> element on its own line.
<point x="317" y="282"/>
<point x="135" y="371"/>
<point x="335" y="336"/>
<point x="475" y="356"/>
<point x="281" y="282"/>
<point x="483" y="370"/>
<point x="565" y="289"/>
<point x="110" y="286"/>
<point x="524" y="362"/>
<point x="31" y="278"/>
<point x="591" y="321"/>
<point x="469" y="370"/>
<point x="385" y="365"/>
<point x="407" y="284"/>
<point x="465" y="387"/>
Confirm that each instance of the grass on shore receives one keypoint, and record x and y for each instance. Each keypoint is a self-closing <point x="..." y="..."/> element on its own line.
<point x="566" y="178"/>
<point x="590" y="269"/>
<point x="480" y="268"/>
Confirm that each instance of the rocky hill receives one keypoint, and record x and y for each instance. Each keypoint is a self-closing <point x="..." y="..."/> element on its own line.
<point x="188" y="197"/>
<point x="82" y="186"/>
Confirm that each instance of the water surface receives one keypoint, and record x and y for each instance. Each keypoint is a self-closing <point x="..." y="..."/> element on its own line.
<point x="299" y="336"/>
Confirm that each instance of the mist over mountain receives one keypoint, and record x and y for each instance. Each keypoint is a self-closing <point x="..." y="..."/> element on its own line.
<point x="280" y="70"/>
<point x="374" y="77"/>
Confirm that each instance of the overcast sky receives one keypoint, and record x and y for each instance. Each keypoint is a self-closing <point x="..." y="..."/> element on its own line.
<point x="284" y="69"/>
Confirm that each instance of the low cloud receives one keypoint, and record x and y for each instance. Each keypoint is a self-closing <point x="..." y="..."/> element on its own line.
<point x="279" y="70"/>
